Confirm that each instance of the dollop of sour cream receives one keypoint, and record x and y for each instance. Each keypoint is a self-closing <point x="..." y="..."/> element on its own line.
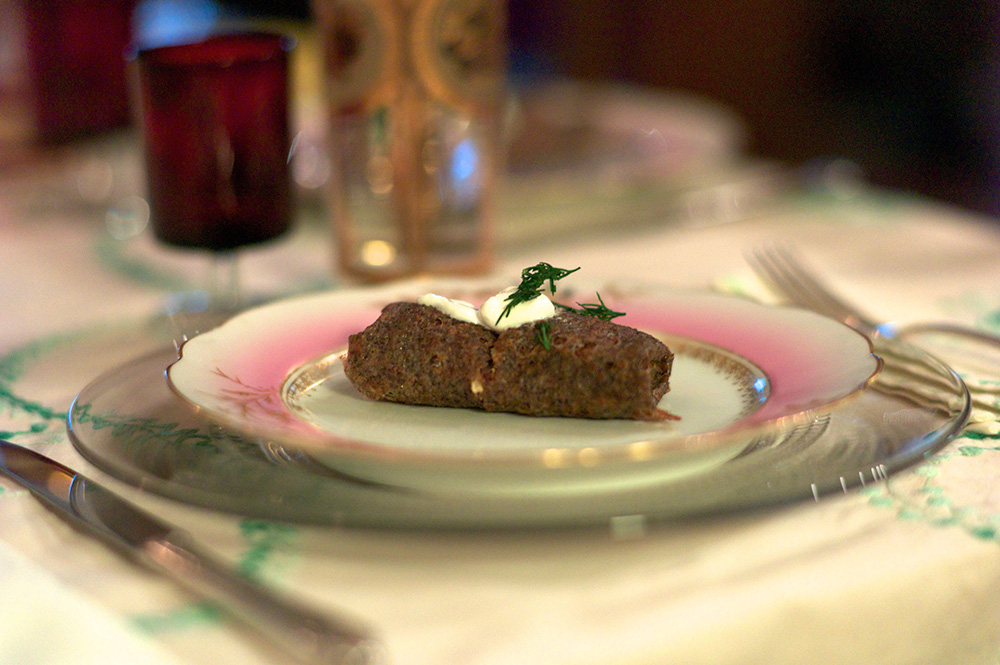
<point x="536" y="309"/>
<point x="489" y="314"/>
<point x="456" y="309"/>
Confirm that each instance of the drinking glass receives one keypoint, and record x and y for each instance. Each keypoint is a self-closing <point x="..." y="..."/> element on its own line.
<point x="214" y="121"/>
<point x="416" y="92"/>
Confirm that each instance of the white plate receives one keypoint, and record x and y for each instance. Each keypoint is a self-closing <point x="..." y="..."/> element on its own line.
<point x="274" y="373"/>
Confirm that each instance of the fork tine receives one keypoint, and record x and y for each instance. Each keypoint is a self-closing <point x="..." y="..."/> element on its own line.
<point x="766" y="263"/>
<point x="780" y="270"/>
<point x="769" y="263"/>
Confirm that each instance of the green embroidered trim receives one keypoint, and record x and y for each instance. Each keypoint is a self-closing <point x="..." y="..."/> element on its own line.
<point x="37" y="428"/>
<point x="182" y="618"/>
<point x="264" y="539"/>
<point x="145" y="429"/>
<point x="29" y="406"/>
<point x="974" y="305"/>
<point x="930" y="504"/>
<point x="991" y="320"/>
<point x="12" y="367"/>
<point x="972" y="451"/>
<point x="108" y="252"/>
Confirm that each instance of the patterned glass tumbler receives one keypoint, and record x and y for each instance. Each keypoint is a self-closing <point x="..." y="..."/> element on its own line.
<point x="416" y="92"/>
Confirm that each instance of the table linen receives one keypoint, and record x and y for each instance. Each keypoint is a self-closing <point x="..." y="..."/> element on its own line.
<point x="902" y="571"/>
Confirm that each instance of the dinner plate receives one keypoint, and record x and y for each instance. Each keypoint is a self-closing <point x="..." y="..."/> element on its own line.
<point x="131" y="425"/>
<point x="274" y="373"/>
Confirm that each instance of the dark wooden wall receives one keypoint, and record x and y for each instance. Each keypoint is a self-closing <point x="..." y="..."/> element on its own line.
<point x="909" y="89"/>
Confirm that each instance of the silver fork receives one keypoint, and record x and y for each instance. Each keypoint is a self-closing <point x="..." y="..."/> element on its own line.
<point x="784" y="273"/>
<point x="780" y="269"/>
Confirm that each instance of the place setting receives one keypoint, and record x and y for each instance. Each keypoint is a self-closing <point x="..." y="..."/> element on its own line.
<point x="508" y="390"/>
<point x="203" y="421"/>
<point x="256" y="416"/>
<point x="248" y="408"/>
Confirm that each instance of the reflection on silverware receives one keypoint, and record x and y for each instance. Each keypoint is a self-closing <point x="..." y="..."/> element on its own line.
<point x="782" y="271"/>
<point x="300" y="632"/>
<point x="905" y="376"/>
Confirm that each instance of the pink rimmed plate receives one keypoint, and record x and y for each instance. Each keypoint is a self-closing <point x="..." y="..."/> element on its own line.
<point x="741" y="368"/>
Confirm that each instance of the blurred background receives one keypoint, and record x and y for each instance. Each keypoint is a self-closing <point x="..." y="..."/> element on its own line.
<point x="909" y="90"/>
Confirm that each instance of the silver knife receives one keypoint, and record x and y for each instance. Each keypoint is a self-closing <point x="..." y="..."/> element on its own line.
<point x="300" y="632"/>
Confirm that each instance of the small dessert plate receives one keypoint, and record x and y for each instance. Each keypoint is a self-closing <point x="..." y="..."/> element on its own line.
<point x="274" y="374"/>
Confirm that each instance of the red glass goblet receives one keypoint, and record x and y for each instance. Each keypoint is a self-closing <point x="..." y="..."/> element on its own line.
<point x="214" y="118"/>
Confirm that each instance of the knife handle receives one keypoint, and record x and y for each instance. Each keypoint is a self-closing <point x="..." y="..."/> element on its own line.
<point x="307" y="635"/>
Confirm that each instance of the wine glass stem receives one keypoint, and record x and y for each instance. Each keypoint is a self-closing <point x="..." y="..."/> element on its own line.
<point x="224" y="282"/>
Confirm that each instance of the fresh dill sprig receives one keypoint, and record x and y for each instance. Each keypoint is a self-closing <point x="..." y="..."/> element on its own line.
<point x="599" y="310"/>
<point x="533" y="279"/>
<point x="542" y="335"/>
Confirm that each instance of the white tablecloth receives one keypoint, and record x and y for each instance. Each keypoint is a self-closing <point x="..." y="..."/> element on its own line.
<point x="902" y="571"/>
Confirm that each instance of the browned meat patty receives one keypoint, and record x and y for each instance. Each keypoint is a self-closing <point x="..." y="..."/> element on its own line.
<point x="415" y="354"/>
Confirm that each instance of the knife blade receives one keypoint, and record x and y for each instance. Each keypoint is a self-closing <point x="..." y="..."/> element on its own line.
<point x="299" y="631"/>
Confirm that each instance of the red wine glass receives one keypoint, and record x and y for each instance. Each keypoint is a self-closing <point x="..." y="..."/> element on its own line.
<point x="214" y="121"/>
